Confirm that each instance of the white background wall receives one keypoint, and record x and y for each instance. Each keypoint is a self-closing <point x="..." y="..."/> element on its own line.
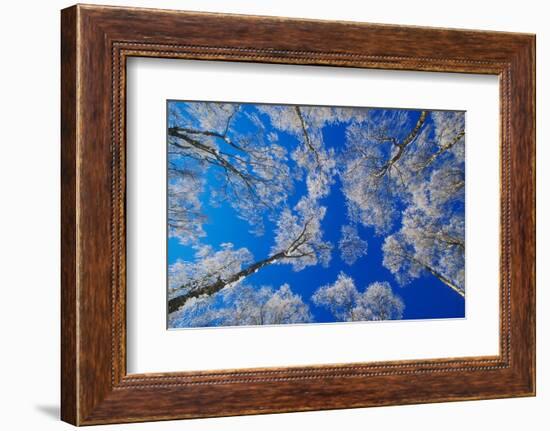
<point x="29" y="215"/>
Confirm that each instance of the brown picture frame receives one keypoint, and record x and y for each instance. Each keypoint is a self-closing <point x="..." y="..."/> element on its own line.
<point x="95" y="43"/>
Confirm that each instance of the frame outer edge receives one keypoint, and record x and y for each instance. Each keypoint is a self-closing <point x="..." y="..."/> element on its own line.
<point x="69" y="202"/>
<point x="523" y="216"/>
<point x="532" y="82"/>
<point x="533" y="53"/>
<point x="529" y="62"/>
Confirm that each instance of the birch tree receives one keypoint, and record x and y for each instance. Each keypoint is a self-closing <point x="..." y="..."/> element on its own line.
<point x="185" y="218"/>
<point x="298" y="242"/>
<point x="305" y="123"/>
<point x="372" y="171"/>
<point x="414" y="180"/>
<point x="243" y="304"/>
<point x="250" y="170"/>
<point x="425" y="247"/>
<point x="393" y="153"/>
<point x="431" y="237"/>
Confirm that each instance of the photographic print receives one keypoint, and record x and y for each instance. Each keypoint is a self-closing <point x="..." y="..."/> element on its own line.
<point x="297" y="214"/>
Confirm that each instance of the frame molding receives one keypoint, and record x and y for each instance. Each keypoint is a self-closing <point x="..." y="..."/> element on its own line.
<point x="96" y="41"/>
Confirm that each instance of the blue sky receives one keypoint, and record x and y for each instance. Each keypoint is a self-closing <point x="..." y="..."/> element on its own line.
<point x="424" y="298"/>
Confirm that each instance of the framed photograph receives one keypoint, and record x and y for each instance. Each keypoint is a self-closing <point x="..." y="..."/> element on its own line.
<point x="265" y="215"/>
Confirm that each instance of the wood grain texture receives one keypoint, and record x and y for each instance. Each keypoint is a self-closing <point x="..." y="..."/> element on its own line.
<point x="96" y="41"/>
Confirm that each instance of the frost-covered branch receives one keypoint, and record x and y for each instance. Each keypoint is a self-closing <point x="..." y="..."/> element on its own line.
<point x="407" y="263"/>
<point x="249" y="171"/>
<point x="402" y="146"/>
<point x="298" y="242"/>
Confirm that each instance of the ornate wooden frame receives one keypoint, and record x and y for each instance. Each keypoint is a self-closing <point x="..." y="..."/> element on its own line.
<point x="96" y="41"/>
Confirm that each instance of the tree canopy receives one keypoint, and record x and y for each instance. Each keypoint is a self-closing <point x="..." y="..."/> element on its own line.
<point x="399" y="176"/>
